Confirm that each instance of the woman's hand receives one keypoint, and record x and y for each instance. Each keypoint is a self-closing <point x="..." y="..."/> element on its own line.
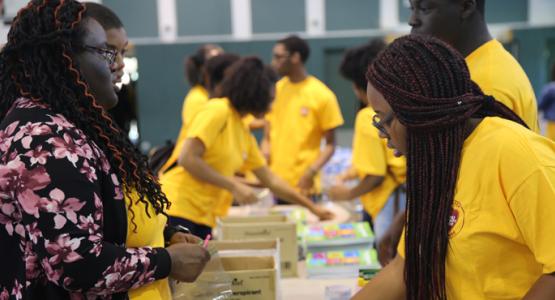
<point x="322" y="213"/>
<point x="188" y="261"/>
<point x="181" y="237"/>
<point x="244" y="194"/>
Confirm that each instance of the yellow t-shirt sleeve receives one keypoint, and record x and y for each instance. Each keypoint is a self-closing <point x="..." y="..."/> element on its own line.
<point x="533" y="205"/>
<point x="208" y="124"/>
<point x="329" y="114"/>
<point x="183" y="111"/>
<point x="254" y="159"/>
<point x="369" y="158"/>
<point x="401" y="245"/>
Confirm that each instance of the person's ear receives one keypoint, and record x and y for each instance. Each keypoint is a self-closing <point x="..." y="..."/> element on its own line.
<point x="469" y="8"/>
<point x="296" y="58"/>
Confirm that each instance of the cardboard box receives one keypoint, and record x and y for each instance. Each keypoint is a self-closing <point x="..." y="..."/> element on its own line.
<point x="252" y="277"/>
<point x="253" y="228"/>
<point x="244" y="278"/>
<point x="248" y="248"/>
<point x="255" y="219"/>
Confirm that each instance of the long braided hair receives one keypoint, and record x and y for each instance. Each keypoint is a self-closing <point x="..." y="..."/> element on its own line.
<point x="428" y="86"/>
<point x="38" y="63"/>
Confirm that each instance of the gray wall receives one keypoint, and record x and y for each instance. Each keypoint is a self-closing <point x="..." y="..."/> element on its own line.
<point x="162" y="87"/>
<point x="206" y="17"/>
<point x="497" y="11"/>
<point x="138" y="16"/>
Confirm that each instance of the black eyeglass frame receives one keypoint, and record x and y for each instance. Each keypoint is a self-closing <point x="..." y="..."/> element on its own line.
<point x="109" y="55"/>
<point x="380" y="124"/>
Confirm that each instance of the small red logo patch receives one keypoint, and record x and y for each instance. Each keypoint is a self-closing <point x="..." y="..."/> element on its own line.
<point x="304" y="111"/>
<point x="456" y="220"/>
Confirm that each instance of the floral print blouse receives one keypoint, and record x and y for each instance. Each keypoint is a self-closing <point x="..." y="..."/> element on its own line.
<point x="63" y="220"/>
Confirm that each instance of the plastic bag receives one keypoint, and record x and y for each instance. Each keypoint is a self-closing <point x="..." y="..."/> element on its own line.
<point x="212" y="284"/>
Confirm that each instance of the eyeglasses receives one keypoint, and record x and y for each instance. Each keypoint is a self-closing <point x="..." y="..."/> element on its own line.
<point x="381" y="123"/>
<point x="108" y="54"/>
<point x="277" y="56"/>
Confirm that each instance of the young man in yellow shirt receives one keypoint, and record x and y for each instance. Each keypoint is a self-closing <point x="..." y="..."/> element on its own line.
<point x="304" y="112"/>
<point x="547" y="105"/>
<point x="462" y="24"/>
<point x="379" y="171"/>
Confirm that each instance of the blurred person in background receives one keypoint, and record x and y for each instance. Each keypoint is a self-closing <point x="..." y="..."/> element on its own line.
<point x="126" y="110"/>
<point x="305" y="112"/>
<point x="218" y="145"/>
<point x="380" y="173"/>
<point x="195" y="99"/>
<point x="547" y="105"/>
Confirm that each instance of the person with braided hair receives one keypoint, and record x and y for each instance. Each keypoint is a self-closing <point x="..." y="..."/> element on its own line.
<point x="65" y="168"/>
<point x="462" y="24"/>
<point x="480" y="185"/>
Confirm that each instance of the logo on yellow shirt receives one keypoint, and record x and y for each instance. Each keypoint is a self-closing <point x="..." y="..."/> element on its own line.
<point x="456" y="220"/>
<point x="304" y="111"/>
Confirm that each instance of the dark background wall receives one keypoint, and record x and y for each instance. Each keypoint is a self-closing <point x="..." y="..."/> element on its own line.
<point x="162" y="86"/>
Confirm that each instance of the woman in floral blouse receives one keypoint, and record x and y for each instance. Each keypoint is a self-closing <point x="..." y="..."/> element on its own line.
<point x="64" y="168"/>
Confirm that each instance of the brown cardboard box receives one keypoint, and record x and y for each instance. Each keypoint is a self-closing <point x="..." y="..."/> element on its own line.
<point x="268" y="247"/>
<point x="253" y="228"/>
<point x="254" y="219"/>
<point x="250" y="278"/>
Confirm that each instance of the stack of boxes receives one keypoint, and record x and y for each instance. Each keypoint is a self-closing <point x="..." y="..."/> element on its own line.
<point x="339" y="250"/>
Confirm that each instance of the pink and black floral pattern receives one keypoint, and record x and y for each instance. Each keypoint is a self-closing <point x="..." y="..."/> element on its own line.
<point x="62" y="218"/>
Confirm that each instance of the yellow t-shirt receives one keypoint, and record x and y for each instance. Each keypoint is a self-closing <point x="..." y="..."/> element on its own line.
<point x="193" y="102"/>
<point x="372" y="157"/>
<point x="301" y="113"/>
<point x="248" y="119"/>
<point x="149" y="232"/>
<point x="230" y="147"/>
<point x="501" y="240"/>
<point x="498" y="74"/>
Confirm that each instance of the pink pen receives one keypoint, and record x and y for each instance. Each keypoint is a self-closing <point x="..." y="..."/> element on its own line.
<point x="205" y="244"/>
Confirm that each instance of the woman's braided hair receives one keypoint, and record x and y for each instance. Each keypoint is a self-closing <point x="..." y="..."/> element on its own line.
<point x="38" y="63"/>
<point x="428" y="86"/>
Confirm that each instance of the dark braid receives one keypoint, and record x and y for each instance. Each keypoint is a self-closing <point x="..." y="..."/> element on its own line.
<point x="428" y="86"/>
<point x="38" y="63"/>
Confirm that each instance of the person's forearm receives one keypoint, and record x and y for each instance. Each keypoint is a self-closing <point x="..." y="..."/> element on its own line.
<point x="543" y="289"/>
<point x="265" y="143"/>
<point x="387" y="285"/>
<point x="365" y="186"/>
<point x="350" y="174"/>
<point x="283" y="191"/>
<point x="396" y="228"/>
<point x="203" y="172"/>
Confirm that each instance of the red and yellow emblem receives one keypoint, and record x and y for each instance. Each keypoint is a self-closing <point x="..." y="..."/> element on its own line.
<point x="456" y="220"/>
